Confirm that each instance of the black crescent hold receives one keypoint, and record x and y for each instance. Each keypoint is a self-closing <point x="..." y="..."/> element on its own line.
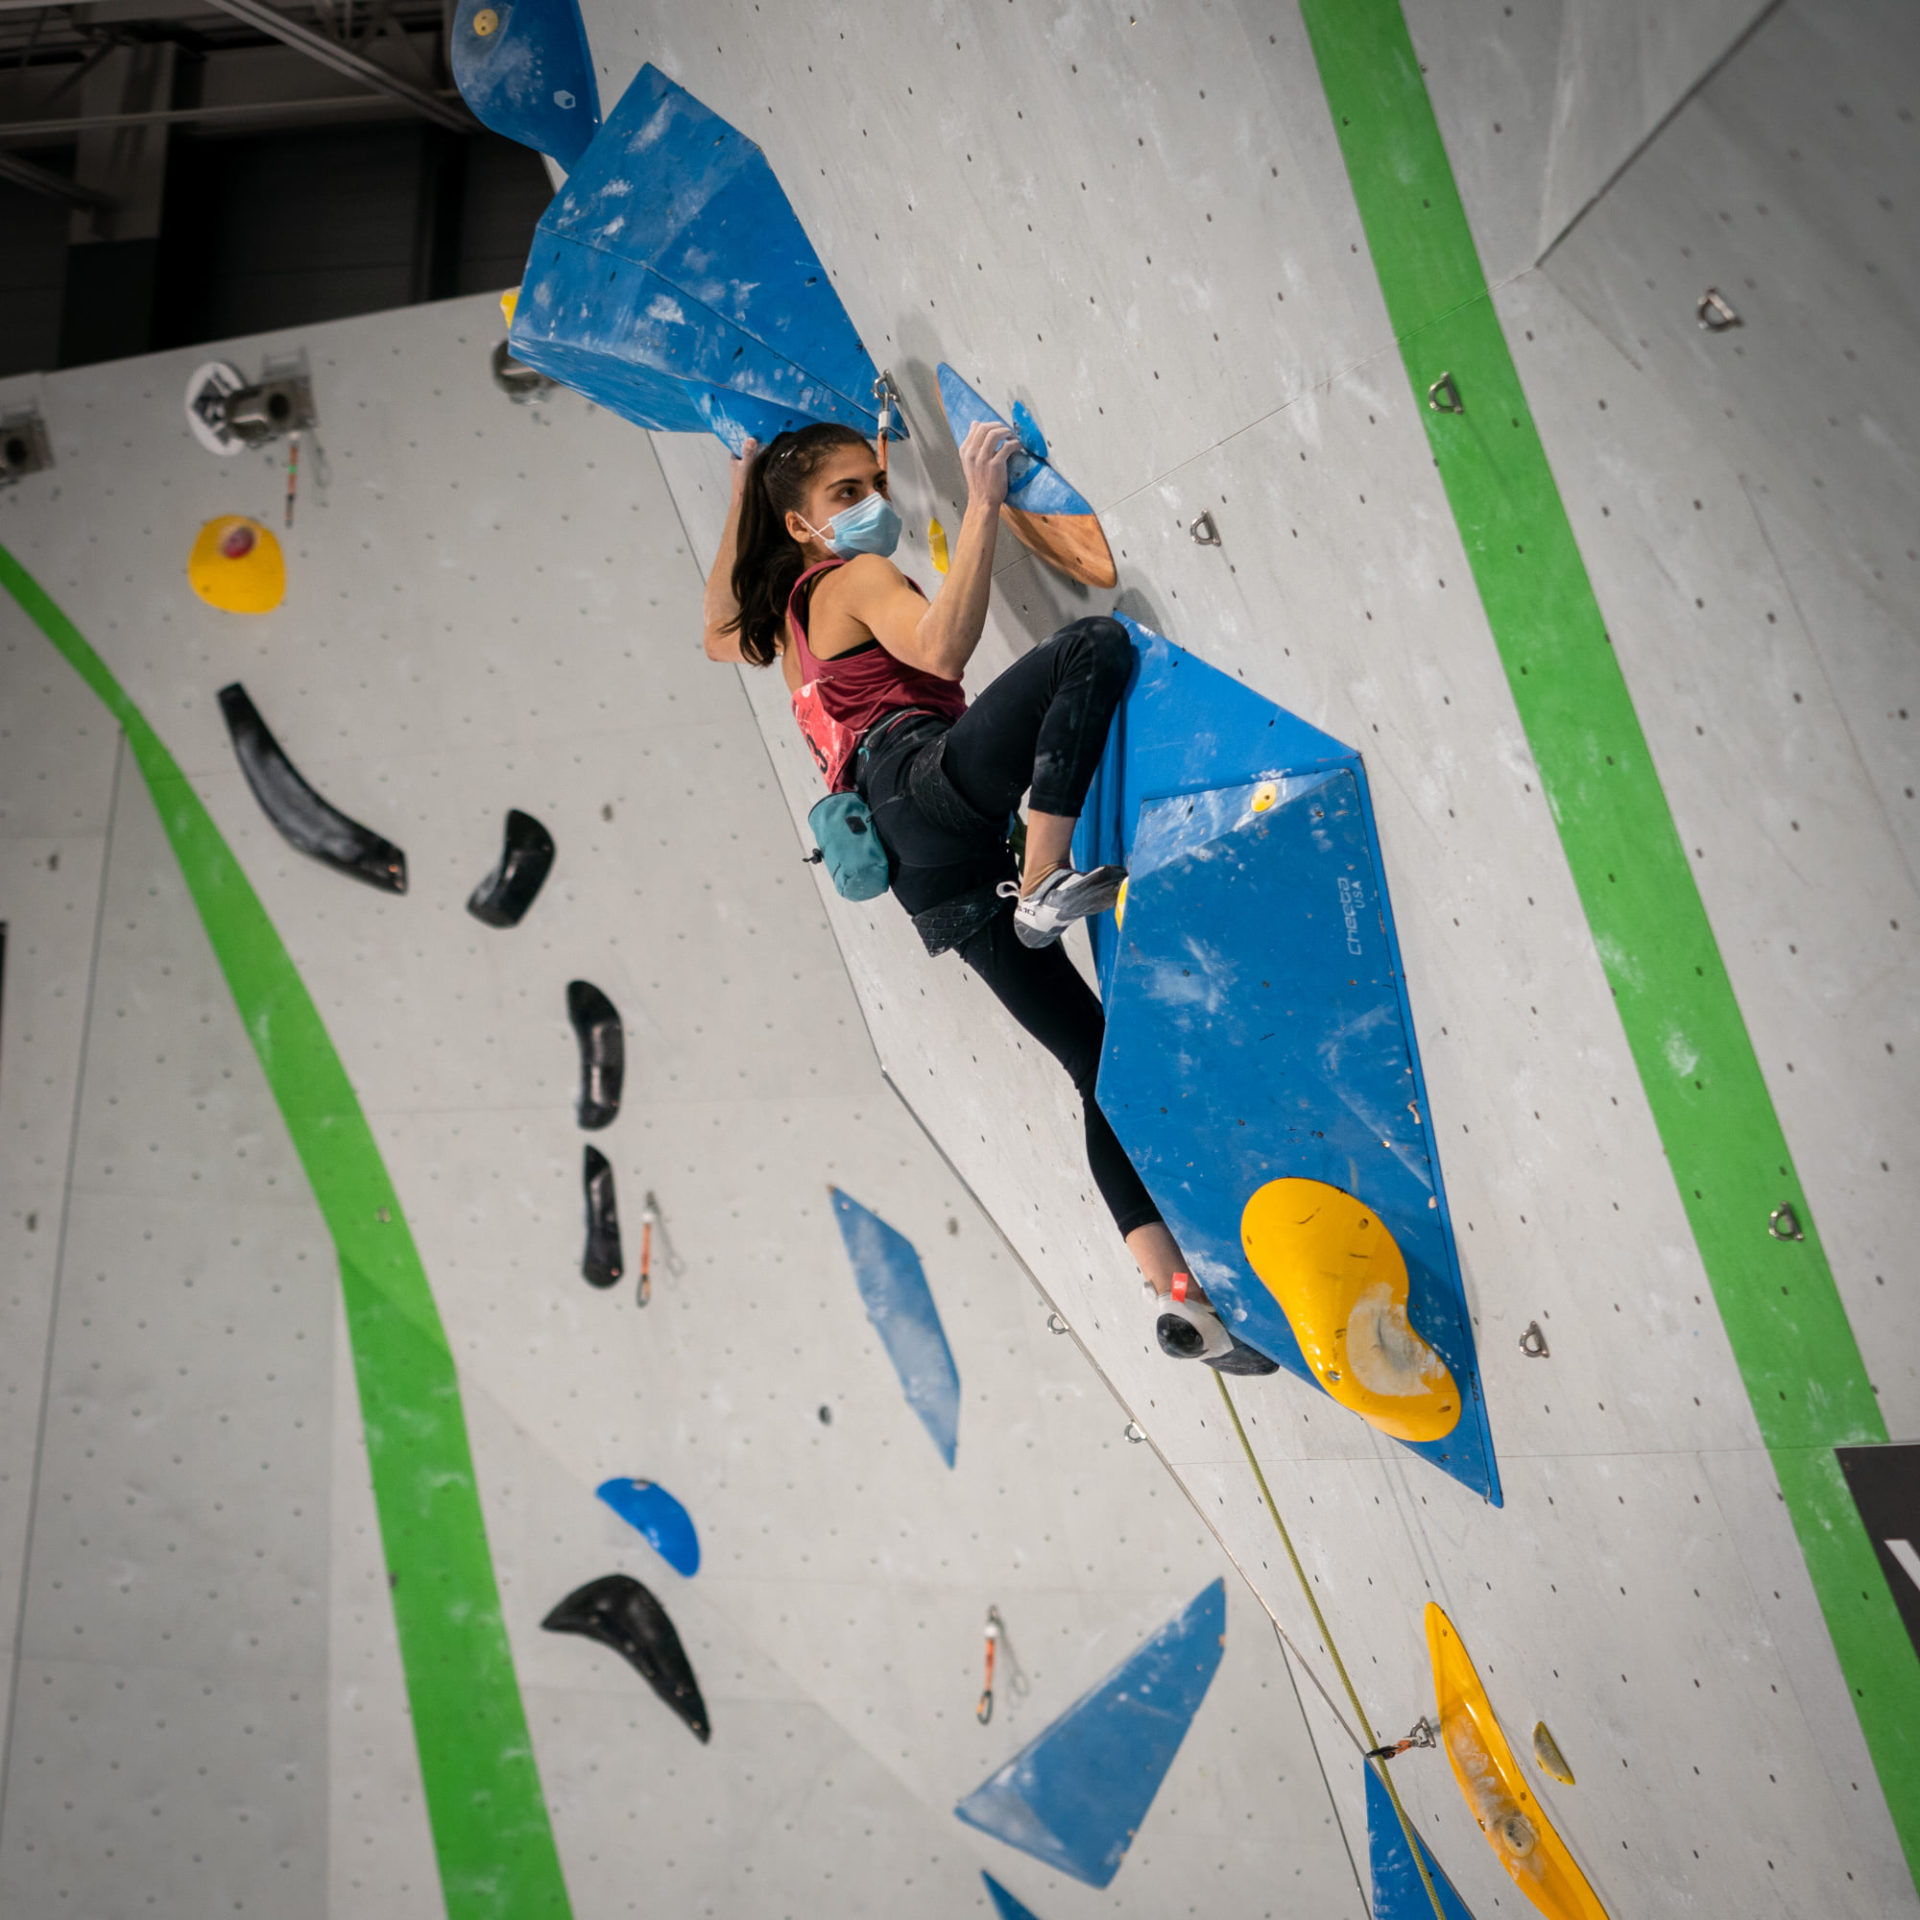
<point x="603" y="1053"/>
<point x="503" y="897"/>
<point x="600" y="1264"/>
<point x="620" y="1613"/>
<point x="304" y="819"/>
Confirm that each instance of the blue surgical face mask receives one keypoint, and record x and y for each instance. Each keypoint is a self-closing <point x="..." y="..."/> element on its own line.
<point x="868" y="526"/>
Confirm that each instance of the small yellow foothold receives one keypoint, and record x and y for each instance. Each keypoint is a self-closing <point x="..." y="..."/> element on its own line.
<point x="1265" y="794"/>
<point x="937" y="545"/>
<point x="485" y="21"/>
<point x="1546" y="1749"/>
<point x="1341" y="1280"/>
<point x="236" y="565"/>
<point x="1120" y="906"/>
<point x="509" y="301"/>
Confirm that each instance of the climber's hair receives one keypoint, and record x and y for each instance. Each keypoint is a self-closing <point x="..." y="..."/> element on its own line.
<point x="768" y="560"/>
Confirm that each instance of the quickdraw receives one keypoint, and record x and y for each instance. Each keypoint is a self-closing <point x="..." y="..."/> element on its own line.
<point x="983" y="1712"/>
<point x="1422" y="1734"/>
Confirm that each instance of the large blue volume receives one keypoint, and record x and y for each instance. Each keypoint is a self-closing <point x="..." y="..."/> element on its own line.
<point x="899" y="1302"/>
<point x="1258" y="1025"/>
<point x="524" y="68"/>
<point x="1078" y="1794"/>
<point x="1398" y="1892"/>
<point x="671" y="282"/>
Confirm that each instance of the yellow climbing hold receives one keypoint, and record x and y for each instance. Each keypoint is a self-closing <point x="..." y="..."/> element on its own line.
<point x="1516" y="1828"/>
<point x="1120" y="906"/>
<point x="1546" y="1750"/>
<point x="485" y="22"/>
<point x="508" y="302"/>
<point x="937" y="545"/>
<point x="1341" y="1281"/>
<point x="236" y="566"/>
<point x="1265" y="794"/>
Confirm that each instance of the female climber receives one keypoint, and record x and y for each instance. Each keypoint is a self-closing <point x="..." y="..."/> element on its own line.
<point x="804" y="575"/>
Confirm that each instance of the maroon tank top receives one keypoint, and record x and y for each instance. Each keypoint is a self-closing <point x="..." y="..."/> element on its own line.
<point x="840" y="698"/>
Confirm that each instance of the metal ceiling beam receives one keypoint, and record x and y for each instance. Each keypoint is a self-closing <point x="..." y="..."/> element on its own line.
<point x="55" y="186"/>
<point x="343" y="59"/>
<point x="345" y="106"/>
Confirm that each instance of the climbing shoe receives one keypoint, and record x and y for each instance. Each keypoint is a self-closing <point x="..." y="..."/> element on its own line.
<point x="1188" y="1329"/>
<point x="1064" y="896"/>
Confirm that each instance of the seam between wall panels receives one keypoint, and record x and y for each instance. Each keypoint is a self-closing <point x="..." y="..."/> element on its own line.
<point x="1784" y="1319"/>
<point x="491" y="1833"/>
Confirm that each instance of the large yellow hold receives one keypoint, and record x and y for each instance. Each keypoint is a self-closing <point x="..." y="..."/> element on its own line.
<point x="236" y="565"/>
<point x="1341" y="1280"/>
<point x="1496" y="1793"/>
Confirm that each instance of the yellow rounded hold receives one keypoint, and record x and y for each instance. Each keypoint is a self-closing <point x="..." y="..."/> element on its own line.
<point x="1265" y="794"/>
<point x="236" y="565"/>
<point x="485" y="21"/>
<point x="937" y="545"/>
<point x="1340" y="1279"/>
<point x="1120" y="906"/>
<point x="509" y="303"/>
<point x="1514" y="1823"/>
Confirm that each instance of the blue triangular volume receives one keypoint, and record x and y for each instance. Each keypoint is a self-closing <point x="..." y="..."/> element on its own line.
<point x="529" y="74"/>
<point x="1004" y="1904"/>
<point x="1258" y="1025"/>
<point x="899" y="1302"/>
<point x="1076" y="1796"/>
<point x="1398" y="1892"/>
<point x="1032" y="484"/>
<point x="671" y="281"/>
<point x="659" y="1518"/>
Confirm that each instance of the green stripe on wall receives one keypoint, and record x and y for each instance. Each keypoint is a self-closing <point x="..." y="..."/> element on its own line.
<point x="1790" y="1334"/>
<point x="488" y="1815"/>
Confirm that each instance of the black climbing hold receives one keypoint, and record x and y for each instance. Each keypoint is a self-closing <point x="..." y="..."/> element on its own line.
<point x="303" y="818"/>
<point x="620" y="1613"/>
<point x="600" y="1264"/>
<point x="503" y="897"/>
<point x="603" y="1052"/>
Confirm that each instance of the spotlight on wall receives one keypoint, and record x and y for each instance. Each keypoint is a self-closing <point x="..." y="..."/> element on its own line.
<point x="227" y="414"/>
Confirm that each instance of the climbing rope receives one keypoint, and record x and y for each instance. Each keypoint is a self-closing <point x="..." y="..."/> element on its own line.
<point x="1376" y="1756"/>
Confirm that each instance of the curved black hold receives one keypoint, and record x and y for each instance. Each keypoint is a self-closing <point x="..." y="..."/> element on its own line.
<point x="603" y="1053"/>
<point x="620" y="1613"/>
<point x="304" y="819"/>
<point x="503" y="897"/>
<point x="600" y="1265"/>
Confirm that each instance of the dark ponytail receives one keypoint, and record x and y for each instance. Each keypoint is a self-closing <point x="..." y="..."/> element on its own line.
<point x="768" y="559"/>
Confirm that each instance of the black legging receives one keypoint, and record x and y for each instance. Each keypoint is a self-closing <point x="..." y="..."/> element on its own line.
<point x="1041" y="725"/>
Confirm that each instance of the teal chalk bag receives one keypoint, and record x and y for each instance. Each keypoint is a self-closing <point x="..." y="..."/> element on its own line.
<point x="845" y="839"/>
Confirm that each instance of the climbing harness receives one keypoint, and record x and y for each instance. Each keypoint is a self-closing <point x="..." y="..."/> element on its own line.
<point x="1376" y="1757"/>
<point x="983" y="1712"/>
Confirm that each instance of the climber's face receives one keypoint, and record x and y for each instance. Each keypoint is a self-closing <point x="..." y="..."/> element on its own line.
<point x="846" y="477"/>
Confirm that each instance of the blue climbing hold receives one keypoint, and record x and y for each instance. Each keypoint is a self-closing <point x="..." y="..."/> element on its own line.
<point x="1031" y="482"/>
<point x="524" y="68"/>
<point x="899" y="1302"/>
<point x="1077" y="1795"/>
<point x="1258" y="1026"/>
<point x="1027" y="430"/>
<point x="1004" y="1904"/>
<point x="655" y="1514"/>
<point x="1398" y="1892"/>
<point x="671" y="282"/>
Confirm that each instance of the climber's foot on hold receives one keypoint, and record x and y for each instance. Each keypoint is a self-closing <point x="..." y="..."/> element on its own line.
<point x="1058" y="898"/>
<point x="1188" y="1329"/>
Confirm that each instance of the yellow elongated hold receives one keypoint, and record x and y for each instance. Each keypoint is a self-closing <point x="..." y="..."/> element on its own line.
<point x="1490" y="1781"/>
<point x="1546" y="1750"/>
<point x="236" y="565"/>
<point x="1120" y="906"/>
<point x="937" y="545"/>
<point x="1340" y="1279"/>
<point x="509" y="304"/>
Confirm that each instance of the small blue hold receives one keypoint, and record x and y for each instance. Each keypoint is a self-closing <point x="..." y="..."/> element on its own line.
<point x="1027" y="429"/>
<point x="654" y="1513"/>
